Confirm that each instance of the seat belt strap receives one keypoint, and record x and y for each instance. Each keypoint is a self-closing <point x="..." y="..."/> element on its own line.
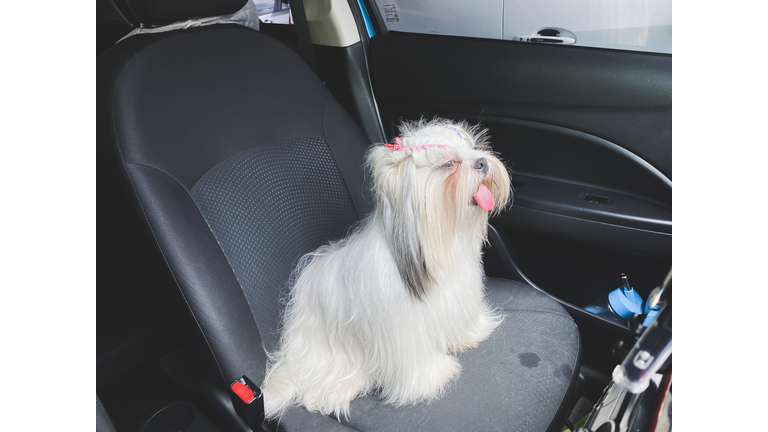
<point x="302" y="34"/>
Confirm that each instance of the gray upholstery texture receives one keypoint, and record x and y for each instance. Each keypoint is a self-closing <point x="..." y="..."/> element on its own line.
<point x="287" y="198"/>
<point x="513" y="381"/>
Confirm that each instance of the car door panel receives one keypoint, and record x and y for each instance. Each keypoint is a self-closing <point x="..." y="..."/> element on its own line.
<point x="576" y="192"/>
<point x="587" y="135"/>
<point x="622" y="97"/>
<point x="579" y="186"/>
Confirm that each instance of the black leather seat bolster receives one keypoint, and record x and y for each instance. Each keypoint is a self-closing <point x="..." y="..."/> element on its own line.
<point x="201" y="270"/>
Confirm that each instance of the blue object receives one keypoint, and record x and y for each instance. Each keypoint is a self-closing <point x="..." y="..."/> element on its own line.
<point x="602" y="308"/>
<point x="625" y="302"/>
<point x="367" y="19"/>
<point x="618" y="304"/>
<point x="651" y="315"/>
<point x="652" y="312"/>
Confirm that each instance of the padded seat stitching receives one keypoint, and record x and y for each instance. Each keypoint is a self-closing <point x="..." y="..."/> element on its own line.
<point x="160" y="170"/>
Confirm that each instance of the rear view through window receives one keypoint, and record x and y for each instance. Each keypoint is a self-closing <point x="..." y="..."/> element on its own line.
<point x="274" y="11"/>
<point x="636" y="25"/>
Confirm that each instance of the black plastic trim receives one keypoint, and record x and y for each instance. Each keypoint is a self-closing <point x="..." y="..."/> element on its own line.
<point x="345" y="74"/>
<point x="622" y="97"/>
<point x="608" y="235"/>
<point x="521" y="72"/>
<point x="593" y="204"/>
<point x="576" y="312"/>
<point x="366" y="93"/>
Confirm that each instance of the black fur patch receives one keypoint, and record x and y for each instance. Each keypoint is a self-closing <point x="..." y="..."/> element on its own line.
<point x="403" y="241"/>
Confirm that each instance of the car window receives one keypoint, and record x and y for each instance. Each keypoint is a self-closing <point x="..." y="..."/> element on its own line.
<point x="637" y="25"/>
<point x="274" y="11"/>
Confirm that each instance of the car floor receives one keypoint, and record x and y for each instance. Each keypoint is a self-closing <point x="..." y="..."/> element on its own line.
<point x="141" y="392"/>
<point x="134" y="331"/>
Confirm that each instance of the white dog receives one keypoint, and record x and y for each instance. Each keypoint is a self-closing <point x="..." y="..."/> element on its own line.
<point x="386" y="307"/>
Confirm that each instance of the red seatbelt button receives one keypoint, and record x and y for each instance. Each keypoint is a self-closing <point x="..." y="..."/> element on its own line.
<point x="243" y="392"/>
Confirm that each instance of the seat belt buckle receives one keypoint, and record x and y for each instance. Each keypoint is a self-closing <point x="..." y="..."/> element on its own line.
<point x="248" y="401"/>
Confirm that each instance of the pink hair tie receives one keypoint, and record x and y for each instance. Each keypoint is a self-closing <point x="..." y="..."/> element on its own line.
<point x="398" y="145"/>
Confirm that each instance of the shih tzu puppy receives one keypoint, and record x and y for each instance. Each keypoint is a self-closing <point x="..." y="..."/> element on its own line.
<point x="386" y="307"/>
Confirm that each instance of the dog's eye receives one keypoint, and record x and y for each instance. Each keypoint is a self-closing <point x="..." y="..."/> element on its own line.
<point x="448" y="164"/>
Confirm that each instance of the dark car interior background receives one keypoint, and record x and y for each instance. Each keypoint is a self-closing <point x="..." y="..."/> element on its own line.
<point x="587" y="133"/>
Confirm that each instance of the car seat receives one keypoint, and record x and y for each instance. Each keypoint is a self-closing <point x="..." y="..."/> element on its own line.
<point x="240" y="161"/>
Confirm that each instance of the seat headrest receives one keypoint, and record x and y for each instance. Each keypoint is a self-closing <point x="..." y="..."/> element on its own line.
<point x="160" y="12"/>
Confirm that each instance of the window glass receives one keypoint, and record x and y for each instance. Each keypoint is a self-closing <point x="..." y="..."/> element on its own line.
<point x="476" y="18"/>
<point x="274" y="11"/>
<point x="638" y="25"/>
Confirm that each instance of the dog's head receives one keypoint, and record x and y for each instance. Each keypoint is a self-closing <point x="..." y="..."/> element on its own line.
<point x="435" y="187"/>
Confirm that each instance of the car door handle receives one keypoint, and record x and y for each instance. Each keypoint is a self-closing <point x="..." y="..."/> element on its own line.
<point x="549" y="35"/>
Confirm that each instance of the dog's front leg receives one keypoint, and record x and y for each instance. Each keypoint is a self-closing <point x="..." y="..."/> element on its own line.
<point x="487" y="321"/>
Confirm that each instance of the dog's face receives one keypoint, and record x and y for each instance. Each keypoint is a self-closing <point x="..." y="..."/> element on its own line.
<point x="440" y="170"/>
<point x="434" y="190"/>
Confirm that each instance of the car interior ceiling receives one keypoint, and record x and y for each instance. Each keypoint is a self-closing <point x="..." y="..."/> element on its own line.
<point x="143" y="327"/>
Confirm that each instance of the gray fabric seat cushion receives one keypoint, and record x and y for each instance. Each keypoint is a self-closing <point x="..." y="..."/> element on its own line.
<point x="513" y="381"/>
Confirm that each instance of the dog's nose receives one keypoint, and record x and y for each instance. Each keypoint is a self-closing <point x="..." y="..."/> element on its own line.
<point x="481" y="165"/>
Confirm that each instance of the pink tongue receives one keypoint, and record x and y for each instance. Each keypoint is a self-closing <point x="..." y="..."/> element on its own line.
<point x="484" y="198"/>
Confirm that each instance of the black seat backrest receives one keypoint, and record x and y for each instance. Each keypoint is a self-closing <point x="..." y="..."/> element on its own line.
<point x="241" y="162"/>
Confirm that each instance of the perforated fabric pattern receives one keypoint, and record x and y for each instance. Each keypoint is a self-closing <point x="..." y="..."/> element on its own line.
<point x="268" y="206"/>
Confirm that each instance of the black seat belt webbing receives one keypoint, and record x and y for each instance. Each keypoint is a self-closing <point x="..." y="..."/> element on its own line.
<point x="302" y="34"/>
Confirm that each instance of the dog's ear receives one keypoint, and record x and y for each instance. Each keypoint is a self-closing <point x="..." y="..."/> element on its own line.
<point x="387" y="171"/>
<point x="401" y="230"/>
<point x="392" y="186"/>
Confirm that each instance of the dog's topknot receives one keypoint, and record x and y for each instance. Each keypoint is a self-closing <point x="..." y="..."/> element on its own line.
<point x="477" y="135"/>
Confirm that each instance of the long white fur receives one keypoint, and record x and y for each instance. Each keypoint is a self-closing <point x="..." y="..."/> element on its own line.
<point x="351" y="323"/>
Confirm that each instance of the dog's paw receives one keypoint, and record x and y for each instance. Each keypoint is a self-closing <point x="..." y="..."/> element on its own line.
<point x="333" y="401"/>
<point x="486" y="324"/>
<point x="446" y="370"/>
<point x="425" y="381"/>
<point x="470" y="343"/>
<point x="432" y="382"/>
